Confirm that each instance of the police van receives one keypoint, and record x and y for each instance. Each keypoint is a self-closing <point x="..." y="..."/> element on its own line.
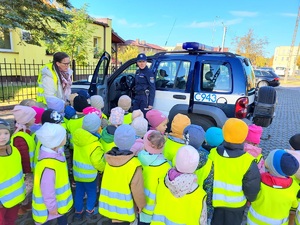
<point x="208" y="86"/>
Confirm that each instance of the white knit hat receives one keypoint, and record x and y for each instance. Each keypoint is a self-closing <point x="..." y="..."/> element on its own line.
<point x="51" y="135"/>
<point x="97" y="101"/>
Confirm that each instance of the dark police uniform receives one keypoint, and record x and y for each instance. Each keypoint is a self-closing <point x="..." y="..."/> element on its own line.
<point x="144" y="89"/>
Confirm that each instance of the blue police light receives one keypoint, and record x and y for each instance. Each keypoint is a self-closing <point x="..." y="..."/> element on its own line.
<point x="190" y="46"/>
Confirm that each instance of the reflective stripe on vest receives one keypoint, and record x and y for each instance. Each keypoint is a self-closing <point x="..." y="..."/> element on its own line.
<point x="264" y="220"/>
<point x="12" y="188"/>
<point x="181" y="212"/>
<point x="63" y="192"/>
<point x="40" y="90"/>
<point x="115" y="200"/>
<point x="31" y="145"/>
<point x="283" y="198"/>
<point x="227" y="189"/>
<point x="151" y="174"/>
<point x="83" y="169"/>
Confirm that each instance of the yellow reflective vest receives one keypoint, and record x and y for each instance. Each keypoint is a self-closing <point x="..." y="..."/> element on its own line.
<point x="12" y="188"/>
<point x="107" y="146"/>
<point x="31" y="145"/>
<point x="203" y="172"/>
<point x="127" y="118"/>
<point x="63" y="191"/>
<point x="40" y="97"/>
<point x="171" y="210"/>
<point x="151" y="174"/>
<point x="273" y="205"/>
<point x="115" y="200"/>
<point x="83" y="169"/>
<point x="170" y="150"/>
<point x="228" y="178"/>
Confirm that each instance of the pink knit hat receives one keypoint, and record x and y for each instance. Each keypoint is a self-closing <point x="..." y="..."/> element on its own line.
<point x="39" y="112"/>
<point x="155" y="118"/>
<point x="91" y="109"/>
<point x="23" y="115"/>
<point x="116" y="116"/>
<point x="153" y="138"/>
<point x="187" y="159"/>
<point x="254" y="133"/>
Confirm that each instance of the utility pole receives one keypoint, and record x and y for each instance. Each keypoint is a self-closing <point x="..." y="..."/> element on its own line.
<point x="292" y="47"/>
<point x="224" y="35"/>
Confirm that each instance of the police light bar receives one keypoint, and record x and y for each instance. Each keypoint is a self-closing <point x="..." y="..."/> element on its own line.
<point x="190" y="46"/>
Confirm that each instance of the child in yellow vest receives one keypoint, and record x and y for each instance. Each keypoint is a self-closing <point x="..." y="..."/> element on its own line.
<point x="175" y="138"/>
<point x="155" y="166"/>
<point x="97" y="102"/>
<point x="12" y="191"/>
<point x="140" y="125"/>
<point x="24" y="142"/>
<point x="179" y="199"/>
<point x="116" y="118"/>
<point x="122" y="187"/>
<point x="125" y="103"/>
<point x="278" y="194"/>
<point x="52" y="196"/>
<point x="213" y="138"/>
<point x="87" y="162"/>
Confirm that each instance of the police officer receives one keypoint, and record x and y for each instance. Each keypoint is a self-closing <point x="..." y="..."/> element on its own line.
<point x="144" y="85"/>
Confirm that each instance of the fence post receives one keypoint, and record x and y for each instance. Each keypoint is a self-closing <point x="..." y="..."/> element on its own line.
<point x="74" y="69"/>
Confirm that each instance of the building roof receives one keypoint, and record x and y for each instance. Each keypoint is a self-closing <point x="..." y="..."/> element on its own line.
<point x="143" y="44"/>
<point x="115" y="38"/>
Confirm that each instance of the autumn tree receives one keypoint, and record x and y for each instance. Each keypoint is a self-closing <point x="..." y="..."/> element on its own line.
<point x="127" y="53"/>
<point x="250" y="46"/>
<point x="40" y="17"/>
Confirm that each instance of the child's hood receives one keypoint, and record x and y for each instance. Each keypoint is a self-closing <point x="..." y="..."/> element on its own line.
<point x="115" y="157"/>
<point x="49" y="153"/>
<point x="252" y="150"/>
<point x="82" y="137"/>
<point x="180" y="184"/>
<point x="107" y="134"/>
<point x="148" y="159"/>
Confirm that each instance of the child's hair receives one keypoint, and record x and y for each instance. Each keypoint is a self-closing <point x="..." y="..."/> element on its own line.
<point x="154" y="142"/>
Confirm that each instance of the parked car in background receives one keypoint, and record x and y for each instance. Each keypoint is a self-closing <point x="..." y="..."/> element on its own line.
<point x="266" y="78"/>
<point x="280" y="70"/>
<point x="266" y="68"/>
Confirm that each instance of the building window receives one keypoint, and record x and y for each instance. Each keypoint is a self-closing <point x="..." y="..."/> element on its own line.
<point x="96" y="46"/>
<point x="5" y="39"/>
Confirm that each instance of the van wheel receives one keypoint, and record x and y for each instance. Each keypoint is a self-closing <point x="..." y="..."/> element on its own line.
<point x="204" y="121"/>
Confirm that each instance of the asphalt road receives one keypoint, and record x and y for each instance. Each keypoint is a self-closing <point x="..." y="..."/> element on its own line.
<point x="285" y="124"/>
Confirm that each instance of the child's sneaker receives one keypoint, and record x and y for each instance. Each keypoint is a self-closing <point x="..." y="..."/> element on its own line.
<point x="78" y="216"/>
<point x="91" y="214"/>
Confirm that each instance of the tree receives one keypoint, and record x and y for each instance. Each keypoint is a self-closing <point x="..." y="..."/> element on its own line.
<point x="250" y="46"/>
<point x="77" y="36"/>
<point x="127" y="53"/>
<point x="40" y="17"/>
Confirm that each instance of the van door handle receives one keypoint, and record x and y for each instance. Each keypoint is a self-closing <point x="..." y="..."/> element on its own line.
<point x="183" y="97"/>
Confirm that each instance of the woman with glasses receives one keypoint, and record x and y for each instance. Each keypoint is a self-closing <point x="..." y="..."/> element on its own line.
<point x="55" y="79"/>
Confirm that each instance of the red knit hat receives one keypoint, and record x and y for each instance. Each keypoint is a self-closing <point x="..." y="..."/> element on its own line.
<point x="39" y="112"/>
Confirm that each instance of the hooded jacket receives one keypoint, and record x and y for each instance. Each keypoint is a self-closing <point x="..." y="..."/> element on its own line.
<point x="82" y="138"/>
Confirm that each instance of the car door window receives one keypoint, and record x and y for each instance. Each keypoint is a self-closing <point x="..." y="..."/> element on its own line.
<point x="216" y="77"/>
<point x="172" y="74"/>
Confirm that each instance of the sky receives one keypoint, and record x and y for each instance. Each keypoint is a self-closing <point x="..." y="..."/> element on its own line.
<point x="168" y="22"/>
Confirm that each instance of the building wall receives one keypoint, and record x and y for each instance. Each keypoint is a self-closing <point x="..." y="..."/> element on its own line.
<point x="23" y="51"/>
<point x="281" y="58"/>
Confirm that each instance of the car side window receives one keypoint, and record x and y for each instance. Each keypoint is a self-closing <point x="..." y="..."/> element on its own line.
<point x="216" y="77"/>
<point x="172" y="74"/>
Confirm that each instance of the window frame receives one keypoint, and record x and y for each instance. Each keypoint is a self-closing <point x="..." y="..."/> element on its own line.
<point x="10" y="42"/>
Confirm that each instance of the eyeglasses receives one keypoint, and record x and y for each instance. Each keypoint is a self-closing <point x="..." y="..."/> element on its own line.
<point x="66" y="64"/>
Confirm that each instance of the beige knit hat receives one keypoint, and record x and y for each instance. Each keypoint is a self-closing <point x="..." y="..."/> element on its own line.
<point x="124" y="102"/>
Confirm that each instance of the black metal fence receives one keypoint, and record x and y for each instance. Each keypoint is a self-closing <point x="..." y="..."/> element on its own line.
<point x="19" y="80"/>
